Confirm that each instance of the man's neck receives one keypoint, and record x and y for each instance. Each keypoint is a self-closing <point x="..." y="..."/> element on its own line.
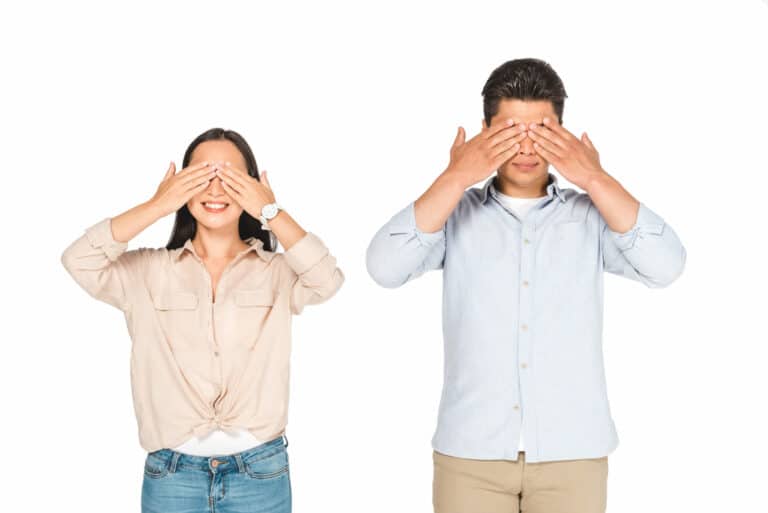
<point x="535" y="190"/>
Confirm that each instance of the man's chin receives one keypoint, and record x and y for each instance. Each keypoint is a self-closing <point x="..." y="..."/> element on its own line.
<point x="516" y="174"/>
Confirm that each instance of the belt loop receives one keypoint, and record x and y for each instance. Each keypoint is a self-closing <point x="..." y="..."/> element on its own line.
<point x="285" y="440"/>
<point x="174" y="461"/>
<point x="239" y="461"/>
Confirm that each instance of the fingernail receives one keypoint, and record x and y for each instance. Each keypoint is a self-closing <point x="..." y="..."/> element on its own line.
<point x="510" y="122"/>
<point x="546" y="120"/>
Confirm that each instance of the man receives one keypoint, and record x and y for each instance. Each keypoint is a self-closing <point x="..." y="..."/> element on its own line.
<point x="524" y="420"/>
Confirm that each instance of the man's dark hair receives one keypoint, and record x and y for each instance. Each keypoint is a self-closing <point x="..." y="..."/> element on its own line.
<point x="523" y="79"/>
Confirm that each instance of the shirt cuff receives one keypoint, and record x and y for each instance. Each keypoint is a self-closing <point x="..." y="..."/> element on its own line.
<point x="404" y="222"/>
<point x="305" y="253"/>
<point x="647" y="222"/>
<point x="100" y="236"/>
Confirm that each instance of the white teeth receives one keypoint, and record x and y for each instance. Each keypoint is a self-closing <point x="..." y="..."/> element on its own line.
<point x="215" y="205"/>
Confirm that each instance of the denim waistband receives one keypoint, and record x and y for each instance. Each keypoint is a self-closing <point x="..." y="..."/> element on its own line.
<point x="173" y="460"/>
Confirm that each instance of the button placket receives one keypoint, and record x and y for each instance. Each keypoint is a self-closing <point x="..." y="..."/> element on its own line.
<point x="524" y="316"/>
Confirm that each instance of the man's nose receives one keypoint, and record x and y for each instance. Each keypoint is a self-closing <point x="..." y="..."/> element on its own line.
<point x="526" y="146"/>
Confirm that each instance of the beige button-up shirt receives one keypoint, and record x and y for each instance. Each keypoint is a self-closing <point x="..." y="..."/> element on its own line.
<point x="196" y="364"/>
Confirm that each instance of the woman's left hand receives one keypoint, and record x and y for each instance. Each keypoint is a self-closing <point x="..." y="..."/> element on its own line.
<point x="249" y="192"/>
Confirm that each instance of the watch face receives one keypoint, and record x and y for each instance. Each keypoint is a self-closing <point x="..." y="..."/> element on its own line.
<point x="269" y="211"/>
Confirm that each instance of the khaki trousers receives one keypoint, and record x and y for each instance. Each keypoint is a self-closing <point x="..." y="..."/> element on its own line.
<point x="504" y="486"/>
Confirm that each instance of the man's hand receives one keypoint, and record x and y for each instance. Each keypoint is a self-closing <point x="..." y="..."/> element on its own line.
<point x="476" y="159"/>
<point x="576" y="159"/>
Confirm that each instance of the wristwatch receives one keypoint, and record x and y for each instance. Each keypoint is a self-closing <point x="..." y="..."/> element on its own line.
<point x="268" y="211"/>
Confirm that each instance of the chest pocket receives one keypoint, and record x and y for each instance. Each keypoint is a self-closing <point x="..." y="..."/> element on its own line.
<point x="178" y="314"/>
<point x="252" y="310"/>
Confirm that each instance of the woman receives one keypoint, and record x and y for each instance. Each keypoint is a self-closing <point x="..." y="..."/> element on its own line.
<point x="209" y="318"/>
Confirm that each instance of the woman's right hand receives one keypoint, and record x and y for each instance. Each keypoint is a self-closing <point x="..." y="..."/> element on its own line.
<point x="177" y="188"/>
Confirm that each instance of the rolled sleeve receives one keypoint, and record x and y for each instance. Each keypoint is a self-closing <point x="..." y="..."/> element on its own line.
<point x="404" y="223"/>
<point x="102" y="266"/>
<point x="649" y="252"/>
<point x="400" y="251"/>
<point x="316" y="275"/>
<point x="647" y="222"/>
<point x="100" y="236"/>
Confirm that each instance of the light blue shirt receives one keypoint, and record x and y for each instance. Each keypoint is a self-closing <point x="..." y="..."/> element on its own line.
<point x="523" y="316"/>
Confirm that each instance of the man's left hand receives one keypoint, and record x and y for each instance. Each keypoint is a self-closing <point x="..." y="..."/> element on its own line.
<point x="576" y="159"/>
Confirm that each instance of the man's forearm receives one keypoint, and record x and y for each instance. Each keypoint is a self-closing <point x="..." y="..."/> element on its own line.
<point x="433" y="208"/>
<point x="617" y="206"/>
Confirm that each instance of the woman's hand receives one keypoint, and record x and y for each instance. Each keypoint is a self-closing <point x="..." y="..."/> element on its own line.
<point x="177" y="188"/>
<point x="249" y="192"/>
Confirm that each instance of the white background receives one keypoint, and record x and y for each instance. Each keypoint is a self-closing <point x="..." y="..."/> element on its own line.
<point x="352" y="109"/>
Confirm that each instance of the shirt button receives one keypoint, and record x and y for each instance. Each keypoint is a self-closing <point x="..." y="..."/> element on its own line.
<point x="517" y="407"/>
<point x="215" y="353"/>
<point x="525" y="283"/>
<point x="524" y="327"/>
<point x="526" y="241"/>
<point x="523" y="365"/>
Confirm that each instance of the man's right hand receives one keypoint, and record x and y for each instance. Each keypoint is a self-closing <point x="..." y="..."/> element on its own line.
<point x="475" y="160"/>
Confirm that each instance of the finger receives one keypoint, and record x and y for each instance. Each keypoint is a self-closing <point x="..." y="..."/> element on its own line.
<point x="548" y="145"/>
<point x="586" y="140"/>
<point x="232" y="176"/>
<point x="461" y="136"/>
<point x="194" y="186"/>
<point x="170" y="172"/>
<point x="193" y="167"/>
<point x="506" y="145"/>
<point x="548" y="155"/>
<point x="506" y="134"/>
<point x="237" y="170"/>
<point x="265" y="180"/>
<point x="234" y="193"/>
<point x="191" y="176"/>
<point x="558" y="129"/>
<point x="496" y="127"/>
<point x="232" y="183"/>
<point x="544" y="133"/>
<point x="504" y="156"/>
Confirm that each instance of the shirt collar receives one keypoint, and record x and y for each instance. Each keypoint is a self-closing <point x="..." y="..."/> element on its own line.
<point x="552" y="188"/>
<point x="254" y="244"/>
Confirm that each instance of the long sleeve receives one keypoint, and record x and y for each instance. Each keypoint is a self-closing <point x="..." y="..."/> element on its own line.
<point x="102" y="266"/>
<point x="650" y="252"/>
<point x="400" y="252"/>
<point x="317" y="277"/>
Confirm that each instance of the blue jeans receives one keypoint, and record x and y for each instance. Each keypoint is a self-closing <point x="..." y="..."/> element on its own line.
<point x="256" y="480"/>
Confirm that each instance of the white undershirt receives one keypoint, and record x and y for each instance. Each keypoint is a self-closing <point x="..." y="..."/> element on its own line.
<point x="519" y="206"/>
<point x="218" y="443"/>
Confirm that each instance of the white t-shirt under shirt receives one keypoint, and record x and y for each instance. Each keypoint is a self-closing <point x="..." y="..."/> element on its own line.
<point x="218" y="443"/>
<point x="519" y="206"/>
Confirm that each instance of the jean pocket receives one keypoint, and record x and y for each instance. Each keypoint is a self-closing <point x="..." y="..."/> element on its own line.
<point x="268" y="466"/>
<point x="155" y="466"/>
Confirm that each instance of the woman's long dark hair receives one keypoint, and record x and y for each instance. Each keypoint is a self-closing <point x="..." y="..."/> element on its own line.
<point x="185" y="225"/>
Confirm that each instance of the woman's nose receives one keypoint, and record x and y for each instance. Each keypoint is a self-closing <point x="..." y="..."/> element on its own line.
<point x="215" y="184"/>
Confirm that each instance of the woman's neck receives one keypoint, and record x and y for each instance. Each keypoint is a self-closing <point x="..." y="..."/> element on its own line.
<point x="217" y="244"/>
